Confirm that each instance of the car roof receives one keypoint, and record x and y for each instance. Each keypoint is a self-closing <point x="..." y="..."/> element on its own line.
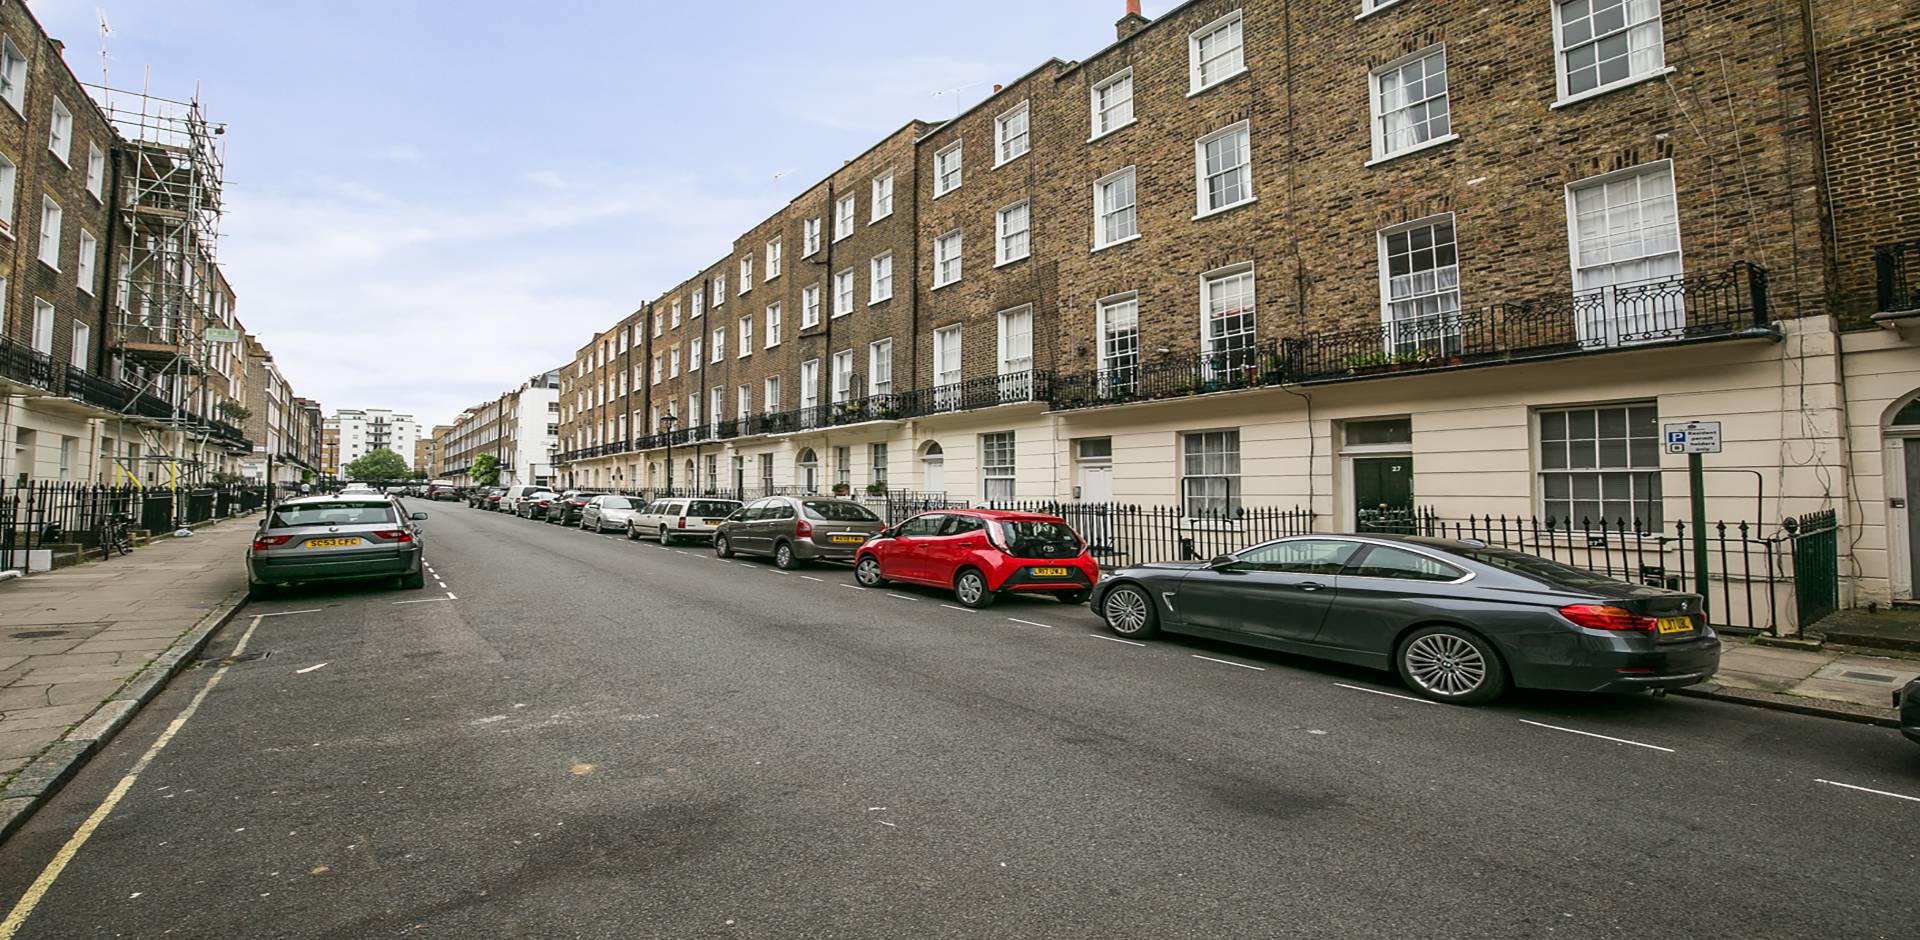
<point x="1013" y="515"/>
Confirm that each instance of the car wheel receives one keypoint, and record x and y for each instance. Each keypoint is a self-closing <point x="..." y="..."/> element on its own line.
<point x="414" y="581"/>
<point x="632" y="535"/>
<point x="722" y="547"/>
<point x="1129" y="612"/>
<point x="970" y="588"/>
<point x="867" y="572"/>
<point x="261" y="591"/>
<point x="1073" y="597"/>
<point x="1449" y="664"/>
<point x="784" y="558"/>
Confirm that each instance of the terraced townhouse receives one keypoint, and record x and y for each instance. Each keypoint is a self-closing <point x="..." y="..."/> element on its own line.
<point x="1459" y="259"/>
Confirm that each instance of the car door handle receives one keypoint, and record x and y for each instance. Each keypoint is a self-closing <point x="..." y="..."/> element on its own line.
<point x="1310" y="585"/>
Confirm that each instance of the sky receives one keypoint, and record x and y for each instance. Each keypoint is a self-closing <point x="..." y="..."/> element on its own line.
<point x="429" y="202"/>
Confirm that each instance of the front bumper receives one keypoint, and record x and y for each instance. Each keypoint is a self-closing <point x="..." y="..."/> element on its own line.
<point x="385" y="563"/>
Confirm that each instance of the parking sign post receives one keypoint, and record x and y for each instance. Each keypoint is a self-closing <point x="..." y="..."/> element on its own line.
<point x="1695" y="438"/>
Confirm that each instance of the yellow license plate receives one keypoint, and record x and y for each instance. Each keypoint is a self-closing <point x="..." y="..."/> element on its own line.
<point x="713" y="522"/>
<point x="331" y="543"/>
<point x="1049" y="572"/>
<point x="1675" y="624"/>
<point x="849" y="538"/>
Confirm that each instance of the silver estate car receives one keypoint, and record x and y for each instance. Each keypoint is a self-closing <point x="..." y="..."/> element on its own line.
<point x="335" y="538"/>
<point x="797" y="529"/>
<point x="680" y="517"/>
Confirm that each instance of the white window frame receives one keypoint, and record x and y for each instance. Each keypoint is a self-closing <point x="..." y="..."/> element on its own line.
<point x="746" y="337"/>
<point x="1195" y="67"/>
<point x="13" y="75"/>
<point x="947" y="364"/>
<point x="1119" y="369"/>
<point x="1381" y="143"/>
<point x="9" y="174"/>
<point x="1414" y="338"/>
<point x="1370" y="7"/>
<point x="941" y="258"/>
<point x="96" y="171"/>
<point x="1231" y="500"/>
<point x="719" y="348"/>
<point x="1252" y="331"/>
<point x="842" y="377"/>
<point x="673" y="363"/>
<point x="773" y="260"/>
<point x="999" y="481"/>
<point x="1016" y="346"/>
<point x="770" y="395"/>
<point x="743" y="401"/>
<point x="810" y="384"/>
<point x="843" y="299"/>
<point x="81" y="351"/>
<point x="810" y="306"/>
<point x="845" y="211"/>
<point x="52" y="217"/>
<point x="60" y="132"/>
<point x="1100" y="212"/>
<point x="880" y="279"/>
<point x="941" y="171"/>
<point x="882" y="197"/>
<point x="1634" y="322"/>
<point x="699" y="304"/>
<point x="676" y="314"/>
<point x="1658" y="68"/>
<point x="1099" y="116"/>
<point x="880" y="367"/>
<point x="810" y="236"/>
<point x="695" y="348"/>
<point x="1200" y="178"/>
<point x="746" y="272"/>
<point x="1003" y="142"/>
<point x="657" y="364"/>
<point x="720" y="289"/>
<point x="1003" y="233"/>
<point x="84" y="263"/>
<point x="1641" y="479"/>
<point x="43" y="317"/>
<point x="773" y="324"/>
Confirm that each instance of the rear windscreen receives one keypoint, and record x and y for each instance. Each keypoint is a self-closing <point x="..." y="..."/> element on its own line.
<point x="833" y="510"/>
<point x="1028" y="539"/>
<point x="718" y="508"/>
<point x="371" y="512"/>
<point x="1534" y="566"/>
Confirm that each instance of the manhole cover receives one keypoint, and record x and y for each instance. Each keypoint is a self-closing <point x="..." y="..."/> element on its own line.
<point x="1869" y="676"/>
<point x="231" y="660"/>
<point x="37" y="634"/>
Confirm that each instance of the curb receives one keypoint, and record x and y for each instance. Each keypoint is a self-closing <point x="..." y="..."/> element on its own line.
<point x="40" y="780"/>
<point x="1839" y="711"/>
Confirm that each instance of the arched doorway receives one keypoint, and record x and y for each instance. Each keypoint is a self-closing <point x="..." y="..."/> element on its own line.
<point x="809" y="474"/>
<point x="1901" y="432"/>
<point x="933" y="467"/>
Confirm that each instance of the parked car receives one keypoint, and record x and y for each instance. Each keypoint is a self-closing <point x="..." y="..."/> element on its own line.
<point x="334" y="538"/>
<point x="608" y="511"/>
<point x="480" y="496"/>
<point x="511" y="497"/>
<point x="797" y="529"/>
<point x="567" y="510"/>
<point x="980" y="554"/>
<point x="680" y="518"/>
<point x="535" y="505"/>
<point x="1460" y="621"/>
<point x="440" y="490"/>
<point x="1908" y="701"/>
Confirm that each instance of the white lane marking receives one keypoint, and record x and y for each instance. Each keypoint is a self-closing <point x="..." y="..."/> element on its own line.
<point x="1101" y="636"/>
<point x="451" y="597"/>
<point x="1651" y="747"/>
<point x="1897" y="796"/>
<point x="960" y="609"/>
<point x="677" y="550"/>
<point x="1409" y="698"/>
<point x="854" y="586"/>
<point x="61" y="859"/>
<point x="430" y="600"/>
<point x="443" y="584"/>
<point x="285" y="613"/>
<point x="812" y="578"/>
<point x="1229" y="662"/>
<point x="302" y="672"/>
<point x="1030" y="623"/>
<point x="905" y="598"/>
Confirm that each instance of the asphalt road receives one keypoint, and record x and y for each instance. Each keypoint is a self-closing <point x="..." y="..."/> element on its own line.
<point x="580" y="736"/>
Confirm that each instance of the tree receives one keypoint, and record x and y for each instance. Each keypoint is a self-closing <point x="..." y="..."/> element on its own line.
<point x="380" y="464"/>
<point x="485" y="470"/>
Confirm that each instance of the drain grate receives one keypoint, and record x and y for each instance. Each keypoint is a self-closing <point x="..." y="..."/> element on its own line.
<point x="231" y="660"/>
<point x="1869" y="676"/>
<point x="37" y="634"/>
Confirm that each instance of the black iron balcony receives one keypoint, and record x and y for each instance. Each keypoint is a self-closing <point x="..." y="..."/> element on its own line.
<point x="106" y="395"/>
<point x="1897" y="285"/>
<point x="25" y="365"/>
<point x="973" y="394"/>
<point x="1227" y="369"/>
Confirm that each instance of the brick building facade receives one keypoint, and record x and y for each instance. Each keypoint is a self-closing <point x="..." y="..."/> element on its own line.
<point x="1346" y="254"/>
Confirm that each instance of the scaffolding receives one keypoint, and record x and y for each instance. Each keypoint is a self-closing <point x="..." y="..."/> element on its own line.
<point x="161" y="251"/>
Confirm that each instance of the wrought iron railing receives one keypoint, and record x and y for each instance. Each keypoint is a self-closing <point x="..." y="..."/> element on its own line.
<point x="1173" y="376"/>
<point x="1895" y="281"/>
<point x="25" y="365"/>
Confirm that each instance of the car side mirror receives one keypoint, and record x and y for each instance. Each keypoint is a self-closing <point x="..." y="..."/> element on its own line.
<point x="1221" y="561"/>
<point x="418" y="516"/>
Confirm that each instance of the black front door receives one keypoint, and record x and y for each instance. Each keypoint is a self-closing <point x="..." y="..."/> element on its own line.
<point x="1383" y="494"/>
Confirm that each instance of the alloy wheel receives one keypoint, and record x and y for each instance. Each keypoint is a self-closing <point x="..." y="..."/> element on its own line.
<point x="1127" y="611"/>
<point x="1445" y="665"/>
<point x="666" y="538"/>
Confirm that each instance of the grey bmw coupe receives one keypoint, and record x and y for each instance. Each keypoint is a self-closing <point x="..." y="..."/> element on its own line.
<point x="1459" y="620"/>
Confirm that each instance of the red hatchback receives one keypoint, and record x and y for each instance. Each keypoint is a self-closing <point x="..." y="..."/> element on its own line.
<point x="981" y="553"/>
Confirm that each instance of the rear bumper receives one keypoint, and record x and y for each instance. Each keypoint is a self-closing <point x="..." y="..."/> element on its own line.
<point x="1023" y="579"/>
<point x="1625" y="670"/>
<point x="814" y="551"/>
<point x="385" y="564"/>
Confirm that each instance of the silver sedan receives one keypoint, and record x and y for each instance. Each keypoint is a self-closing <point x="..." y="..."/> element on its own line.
<point x="608" y="512"/>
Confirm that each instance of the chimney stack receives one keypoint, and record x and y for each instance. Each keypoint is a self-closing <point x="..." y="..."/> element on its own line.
<point x="996" y="89"/>
<point x="1132" y="22"/>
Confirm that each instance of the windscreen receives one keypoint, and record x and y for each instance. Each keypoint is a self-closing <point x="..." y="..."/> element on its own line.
<point x="1533" y="566"/>
<point x="712" y="508"/>
<point x="371" y="512"/>
<point x="1038" y="539"/>
<point x="615" y="502"/>
<point x="834" y="510"/>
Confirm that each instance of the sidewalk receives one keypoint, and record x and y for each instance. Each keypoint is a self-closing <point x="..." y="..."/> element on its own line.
<point x="73" y="640"/>
<point x="1830" y="683"/>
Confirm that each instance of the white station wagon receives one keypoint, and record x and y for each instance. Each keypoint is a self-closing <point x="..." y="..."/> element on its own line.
<point x="680" y="518"/>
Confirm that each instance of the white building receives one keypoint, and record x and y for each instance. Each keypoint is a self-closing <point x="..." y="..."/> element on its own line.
<point x="363" y="431"/>
<point x="520" y="429"/>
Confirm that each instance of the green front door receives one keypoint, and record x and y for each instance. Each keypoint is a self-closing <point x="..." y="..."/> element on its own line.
<point x="1383" y="494"/>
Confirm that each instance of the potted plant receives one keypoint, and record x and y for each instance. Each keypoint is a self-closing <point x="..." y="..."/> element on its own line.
<point x="1273" y="369"/>
<point x="841" y="489"/>
<point x="877" y="488"/>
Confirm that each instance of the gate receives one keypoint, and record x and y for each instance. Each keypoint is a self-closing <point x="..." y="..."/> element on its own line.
<point x="1816" y="564"/>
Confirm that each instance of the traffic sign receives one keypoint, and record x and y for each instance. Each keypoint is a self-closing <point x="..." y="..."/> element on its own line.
<point x="1693" y="437"/>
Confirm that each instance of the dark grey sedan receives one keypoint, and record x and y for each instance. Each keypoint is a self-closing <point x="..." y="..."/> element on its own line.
<point x="336" y="538"/>
<point x="1459" y="620"/>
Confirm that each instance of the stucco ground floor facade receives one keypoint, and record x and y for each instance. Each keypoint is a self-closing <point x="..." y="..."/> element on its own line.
<point x="53" y="438"/>
<point x="1807" y="424"/>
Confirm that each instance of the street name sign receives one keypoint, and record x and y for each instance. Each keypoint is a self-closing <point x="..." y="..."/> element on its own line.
<point x="1693" y="437"/>
<point x="218" y="335"/>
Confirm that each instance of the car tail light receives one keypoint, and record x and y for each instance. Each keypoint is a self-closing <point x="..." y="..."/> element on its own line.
<point x="396" y="535"/>
<point x="268" y="541"/>
<point x="1607" y="618"/>
<point x="803" y="529"/>
<point x="683" y="522"/>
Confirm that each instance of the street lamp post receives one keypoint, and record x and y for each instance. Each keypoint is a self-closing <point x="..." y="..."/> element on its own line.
<point x="668" y="421"/>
